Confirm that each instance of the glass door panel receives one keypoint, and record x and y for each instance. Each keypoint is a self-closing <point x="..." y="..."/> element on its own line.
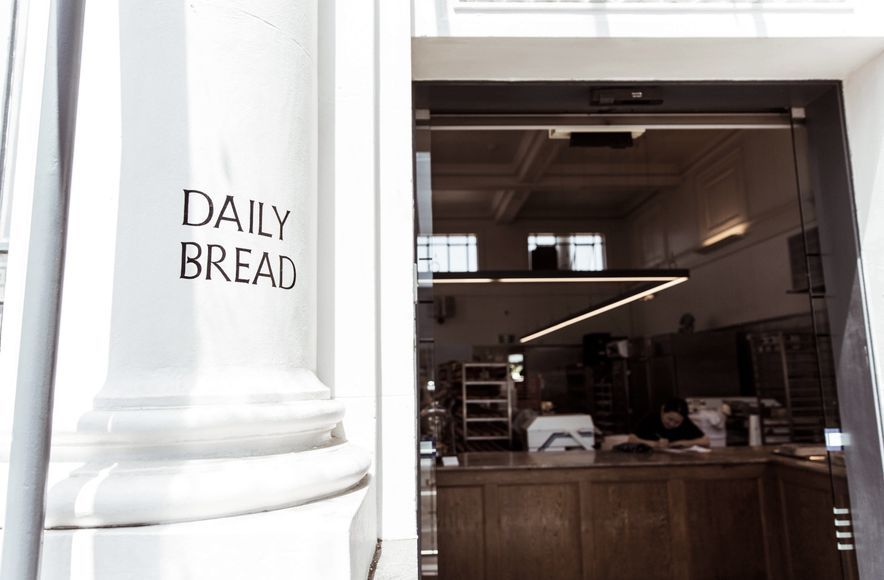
<point x="817" y="383"/>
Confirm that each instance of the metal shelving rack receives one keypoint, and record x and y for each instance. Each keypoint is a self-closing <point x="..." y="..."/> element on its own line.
<point x="486" y="399"/>
<point x="789" y="367"/>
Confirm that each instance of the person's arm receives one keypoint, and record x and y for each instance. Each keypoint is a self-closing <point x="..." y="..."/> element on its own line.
<point x="657" y="443"/>
<point x="647" y="433"/>
<point x="704" y="441"/>
<point x="694" y="435"/>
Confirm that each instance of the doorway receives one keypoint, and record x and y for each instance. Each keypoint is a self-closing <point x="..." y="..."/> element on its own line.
<point x="529" y="194"/>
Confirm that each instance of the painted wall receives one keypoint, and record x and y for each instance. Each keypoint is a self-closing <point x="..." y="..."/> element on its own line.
<point x="646" y="18"/>
<point x="863" y="95"/>
<point x="543" y="40"/>
<point x="748" y="178"/>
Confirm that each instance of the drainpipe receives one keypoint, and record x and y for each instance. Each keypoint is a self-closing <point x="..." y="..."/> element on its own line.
<point x="32" y="425"/>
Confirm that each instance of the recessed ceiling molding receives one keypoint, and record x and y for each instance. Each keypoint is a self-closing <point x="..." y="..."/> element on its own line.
<point x="599" y="309"/>
<point x="535" y="156"/>
<point x="507" y="204"/>
<point x="467" y="182"/>
<point x="618" y="276"/>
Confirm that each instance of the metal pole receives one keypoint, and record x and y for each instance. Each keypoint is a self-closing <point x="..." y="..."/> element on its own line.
<point x="32" y="425"/>
<point x="6" y="83"/>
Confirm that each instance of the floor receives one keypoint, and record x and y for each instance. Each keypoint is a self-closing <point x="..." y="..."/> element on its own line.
<point x="398" y="560"/>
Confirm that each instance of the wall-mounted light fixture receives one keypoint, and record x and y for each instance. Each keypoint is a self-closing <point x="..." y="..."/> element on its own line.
<point x="725" y="236"/>
<point x="623" y="299"/>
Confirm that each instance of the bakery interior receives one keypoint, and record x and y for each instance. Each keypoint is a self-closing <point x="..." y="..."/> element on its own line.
<point x="575" y="273"/>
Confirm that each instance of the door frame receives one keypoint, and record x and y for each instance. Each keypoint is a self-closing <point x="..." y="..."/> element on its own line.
<point x="832" y="182"/>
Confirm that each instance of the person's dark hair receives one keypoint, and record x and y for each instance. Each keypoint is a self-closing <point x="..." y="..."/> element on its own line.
<point x="677" y="405"/>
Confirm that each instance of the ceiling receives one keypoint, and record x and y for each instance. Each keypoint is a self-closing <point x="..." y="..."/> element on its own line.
<point x="507" y="175"/>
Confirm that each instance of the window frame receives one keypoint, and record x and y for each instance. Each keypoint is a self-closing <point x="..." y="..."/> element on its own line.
<point x="425" y="257"/>
<point x="567" y="245"/>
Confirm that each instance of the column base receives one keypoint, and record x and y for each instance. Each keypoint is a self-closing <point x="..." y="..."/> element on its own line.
<point x="330" y="539"/>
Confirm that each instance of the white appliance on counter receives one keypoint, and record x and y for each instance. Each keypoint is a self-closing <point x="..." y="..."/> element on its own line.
<point x="713" y="424"/>
<point x="707" y="415"/>
<point x="560" y="432"/>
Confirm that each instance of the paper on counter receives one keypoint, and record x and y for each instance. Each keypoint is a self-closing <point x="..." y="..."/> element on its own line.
<point x="691" y="449"/>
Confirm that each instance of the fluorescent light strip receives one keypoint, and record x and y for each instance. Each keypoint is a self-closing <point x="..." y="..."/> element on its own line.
<point x="591" y="279"/>
<point x="461" y="281"/>
<point x="556" y="280"/>
<point x="602" y="310"/>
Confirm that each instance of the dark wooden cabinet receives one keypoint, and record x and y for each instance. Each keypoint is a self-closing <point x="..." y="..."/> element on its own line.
<point x="627" y="518"/>
<point x="753" y="520"/>
<point x="807" y="519"/>
<point x="460" y="513"/>
<point x="725" y="528"/>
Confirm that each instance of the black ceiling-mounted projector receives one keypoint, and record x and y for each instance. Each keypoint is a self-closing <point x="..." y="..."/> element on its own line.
<point x="614" y="140"/>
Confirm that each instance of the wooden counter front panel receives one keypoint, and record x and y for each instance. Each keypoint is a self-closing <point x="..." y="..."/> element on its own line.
<point x="725" y="528"/>
<point x="544" y="521"/>
<point x="806" y="503"/>
<point x="593" y="524"/>
<point x="461" y="532"/>
<point x="705" y="523"/>
<point x="629" y="529"/>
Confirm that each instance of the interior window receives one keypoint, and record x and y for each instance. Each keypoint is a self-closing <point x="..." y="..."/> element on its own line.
<point x="575" y="251"/>
<point x="447" y="253"/>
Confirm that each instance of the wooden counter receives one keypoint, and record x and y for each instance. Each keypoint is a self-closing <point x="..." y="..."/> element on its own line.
<point x="737" y="513"/>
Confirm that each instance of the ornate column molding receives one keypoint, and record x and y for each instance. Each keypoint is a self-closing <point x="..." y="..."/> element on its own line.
<point x="186" y="387"/>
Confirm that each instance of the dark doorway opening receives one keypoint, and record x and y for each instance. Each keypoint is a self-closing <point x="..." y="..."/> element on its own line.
<point x="490" y="151"/>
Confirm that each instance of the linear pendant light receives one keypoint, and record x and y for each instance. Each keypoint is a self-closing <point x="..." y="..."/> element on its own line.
<point x="652" y="282"/>
<point x="607" y="306"/>
<point x="551" y="276"/>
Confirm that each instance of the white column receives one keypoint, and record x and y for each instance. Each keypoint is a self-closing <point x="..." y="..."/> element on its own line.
<point x="367" y="349"/>
<point x="396" y="242"/>
<point x="186" y="386"/>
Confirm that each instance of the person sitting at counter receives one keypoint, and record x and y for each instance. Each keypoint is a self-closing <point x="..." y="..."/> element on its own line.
<point x="670" y="427"/>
